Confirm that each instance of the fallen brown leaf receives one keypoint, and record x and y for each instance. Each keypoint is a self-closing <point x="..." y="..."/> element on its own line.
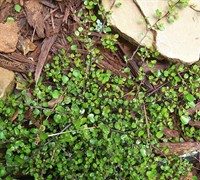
<point x="25" y="45"/>
<point x="15" y="115"/>
<point x="53" y="102"/>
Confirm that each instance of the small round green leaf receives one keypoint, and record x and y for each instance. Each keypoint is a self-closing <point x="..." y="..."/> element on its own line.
<point x="159" y="134"/>
<point x="10" y="19"/>
<point x="17" y="8"/>
<point x="74" y="47"/>
<point x="55" y="94"/>
<point x="185" y="119"/>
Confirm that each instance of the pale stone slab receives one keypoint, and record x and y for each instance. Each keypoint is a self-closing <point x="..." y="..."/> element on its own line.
<point x="128" y="21"/>
<point x="180" y="41"/>
<point x="7" y="82"/>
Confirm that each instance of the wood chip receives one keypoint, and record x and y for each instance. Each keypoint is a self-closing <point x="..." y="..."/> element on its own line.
<point x="46" y="46"/>
<point x="47" y="43"/>
<point x="171" y="133"/>
<point x="48" y="4"/>
<point x="194" y="124"/>
<point x="179" y="148"/>
<point x="14" y="65"/>
<point x="35" y="17"/>
<point x="191" y="111"/>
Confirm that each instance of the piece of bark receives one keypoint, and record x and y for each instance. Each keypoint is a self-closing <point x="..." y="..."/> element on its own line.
<point x="35" y="17"/>
<point x="194" y="124"/>
<point x="28" y="115"/>
<point x="37" y="51"/>
<point x="193" y="110"/>
<point x="47" y="43"/>
<point x="53" y="102"/>
<point x="4" y="13"/>
<point x="17" y="57"/>
<point x="46" y="46"/>
<point x="105" y="65"/>
<point x="135" y="72"/>
<point x="48" y="4"/>
<point x="158" y="66"/>
<point x="67" y="11"/>
<point x="14" y="65"/>
<point x="171" y="133"/>
<point x="179" y="148"/>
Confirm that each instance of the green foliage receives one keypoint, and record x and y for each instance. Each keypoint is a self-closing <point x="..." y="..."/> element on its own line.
<point x="81" y="126"/>
<point x="118" y="4"/>
<point x="17" y="8"/>
<point x="10" y="19"/>
<point x="171" y="13"/>
<point x="109" y="41"/>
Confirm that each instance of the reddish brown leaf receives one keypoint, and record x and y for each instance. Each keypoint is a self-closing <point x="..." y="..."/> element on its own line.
<point x="53" y="102"/>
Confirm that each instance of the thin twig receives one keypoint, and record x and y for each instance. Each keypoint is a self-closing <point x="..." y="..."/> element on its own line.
<point x="60" y="133"/>
<point x="192" y="7"/>
<point x="112" y="5"/>
<point x="156" y="89"/>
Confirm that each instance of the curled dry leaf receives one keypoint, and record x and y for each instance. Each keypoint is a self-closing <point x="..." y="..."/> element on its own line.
<point x="15" y="115"/>
<point x="53" y="102"/>
<point x="25" y="45"/>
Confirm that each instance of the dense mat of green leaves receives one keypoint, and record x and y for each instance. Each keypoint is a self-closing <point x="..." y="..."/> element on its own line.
<point x="93" y="132"/>
<point x="104" y="134"/>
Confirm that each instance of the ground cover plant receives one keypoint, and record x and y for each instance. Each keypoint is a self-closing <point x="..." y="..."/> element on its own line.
<point x="83" y="122"/>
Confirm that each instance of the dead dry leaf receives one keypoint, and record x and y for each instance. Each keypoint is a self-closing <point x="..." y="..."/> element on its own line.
<point x="53" y="102"/>
<point x="14" y="117"/>
<point x="25" y="45"/>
